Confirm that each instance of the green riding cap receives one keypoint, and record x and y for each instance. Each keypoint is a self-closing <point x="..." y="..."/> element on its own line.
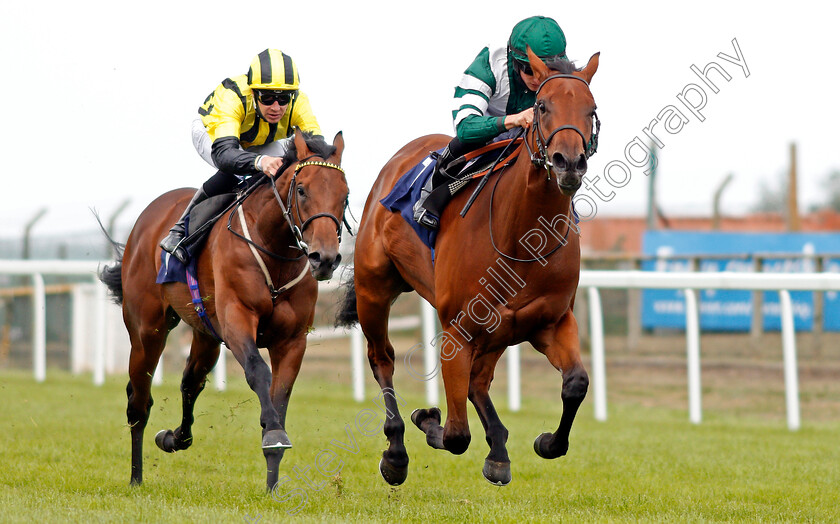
<point x="544" y="36"/>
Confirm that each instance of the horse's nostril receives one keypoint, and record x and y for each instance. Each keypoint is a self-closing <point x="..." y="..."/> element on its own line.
<point x="560" y="162"/>
<point x="581" y="164"/>
<point x="337" y="261"/>
<point x="315" y="259"/>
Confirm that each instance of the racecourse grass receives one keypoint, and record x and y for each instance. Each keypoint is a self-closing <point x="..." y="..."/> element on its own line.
<point x="65" y="458"/>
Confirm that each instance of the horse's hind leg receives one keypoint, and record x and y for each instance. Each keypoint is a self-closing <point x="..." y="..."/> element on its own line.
<point x="204" y="352"/>
<point x="497" y="464"/>
<point x="562" y="347"/>
<point x="146" y="346"/>
<point x="373" y="303"/>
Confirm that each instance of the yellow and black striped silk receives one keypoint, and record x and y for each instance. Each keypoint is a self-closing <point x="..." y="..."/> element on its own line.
<point x="229" y="111"/>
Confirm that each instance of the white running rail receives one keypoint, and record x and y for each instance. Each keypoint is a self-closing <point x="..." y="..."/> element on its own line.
<point x="593" y="281"/>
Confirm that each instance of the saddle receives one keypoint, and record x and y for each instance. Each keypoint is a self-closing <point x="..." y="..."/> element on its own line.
<point x="198" y="225"/>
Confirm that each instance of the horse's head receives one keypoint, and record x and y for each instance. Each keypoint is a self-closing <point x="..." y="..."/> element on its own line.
<point x="317" y="199"/>
<point x="565" y="123"/>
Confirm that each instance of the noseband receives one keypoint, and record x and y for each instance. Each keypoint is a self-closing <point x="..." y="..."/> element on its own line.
<point x="540" y="157"/>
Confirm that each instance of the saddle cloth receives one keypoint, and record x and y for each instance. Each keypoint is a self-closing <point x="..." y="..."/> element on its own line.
<point x="407" y="190"/>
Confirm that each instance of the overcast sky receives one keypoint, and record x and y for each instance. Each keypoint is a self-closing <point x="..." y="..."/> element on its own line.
<point x="98" y="97"/>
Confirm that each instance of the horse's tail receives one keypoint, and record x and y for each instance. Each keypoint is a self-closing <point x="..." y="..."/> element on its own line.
<point x="111" y="276"/>
<point x="347" y="316"/>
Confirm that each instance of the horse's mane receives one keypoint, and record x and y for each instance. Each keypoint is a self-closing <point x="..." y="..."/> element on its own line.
<point x="316" y="143"/>
<point x="562" y="66"/>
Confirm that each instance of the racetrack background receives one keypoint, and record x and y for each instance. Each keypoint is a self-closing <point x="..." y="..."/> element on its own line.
<point x="66" y="446"/>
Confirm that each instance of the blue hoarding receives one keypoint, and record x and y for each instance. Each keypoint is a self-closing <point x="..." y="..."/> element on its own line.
<point x="722" y="310"/>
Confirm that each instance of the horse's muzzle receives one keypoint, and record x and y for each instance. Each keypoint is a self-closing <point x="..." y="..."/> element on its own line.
<point x="323" y="265"/>
<point x="569" y="173"/>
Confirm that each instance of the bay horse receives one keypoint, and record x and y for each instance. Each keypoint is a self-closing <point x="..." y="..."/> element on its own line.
<point x="504" y="273"/>
<point x="237" y="279"/>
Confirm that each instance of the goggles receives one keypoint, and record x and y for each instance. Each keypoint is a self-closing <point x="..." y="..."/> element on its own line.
<point x="268" y="97"/>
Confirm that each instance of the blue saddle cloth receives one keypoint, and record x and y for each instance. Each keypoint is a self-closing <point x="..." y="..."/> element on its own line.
<point x="406" y="192"/>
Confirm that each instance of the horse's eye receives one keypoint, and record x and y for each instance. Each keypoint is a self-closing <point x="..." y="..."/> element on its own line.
<point x="541" y="106"/>
<point x="301" y="191"/>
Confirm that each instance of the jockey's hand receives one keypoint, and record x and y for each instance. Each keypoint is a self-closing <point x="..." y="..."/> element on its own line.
<point x="523" y="119"/>
<point x="270" y="164"/>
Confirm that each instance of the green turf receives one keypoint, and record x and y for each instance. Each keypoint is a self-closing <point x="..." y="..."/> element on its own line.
<point x="65" y="458"/>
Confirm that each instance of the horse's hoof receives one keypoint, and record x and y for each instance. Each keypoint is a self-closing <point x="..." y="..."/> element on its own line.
<point x="419" y="416"/>
<point x="276" y="439"/>
<point x="165" y="440"/>
<point x="542" y="445"/>
<point x="496" y="473"/>
<point x="393" y="476"/>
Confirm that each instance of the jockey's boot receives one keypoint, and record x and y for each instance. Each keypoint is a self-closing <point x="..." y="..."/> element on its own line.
<point x="172" y="242"/>
<point x="435" y="195"/>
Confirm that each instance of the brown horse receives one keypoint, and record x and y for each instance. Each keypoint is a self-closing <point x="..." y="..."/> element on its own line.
<point x="240" y="298"/>
<point x="504" y="273"/>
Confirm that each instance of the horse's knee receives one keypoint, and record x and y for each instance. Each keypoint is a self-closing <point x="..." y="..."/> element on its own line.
<point x="575" y="385"/>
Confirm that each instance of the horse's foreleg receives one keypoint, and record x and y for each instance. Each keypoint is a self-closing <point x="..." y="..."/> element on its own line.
<point x="454" y="436"/>
<point x="240" y="336"/>
<point x="204" y="352"/>
<point x="285" y="366"/>
<point x="145" y="354"/>
<point x="497" y="464"/>
<point x="456" y="383"/>
<point x="562" y="347"/>
<point x="373" y="308"/>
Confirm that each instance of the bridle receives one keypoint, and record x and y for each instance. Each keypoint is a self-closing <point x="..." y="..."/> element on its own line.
<point x="291" y="198"/>
<point x="540" y="157"/>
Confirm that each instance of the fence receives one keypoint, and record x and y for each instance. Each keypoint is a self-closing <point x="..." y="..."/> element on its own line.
<point x="592" y="280"/>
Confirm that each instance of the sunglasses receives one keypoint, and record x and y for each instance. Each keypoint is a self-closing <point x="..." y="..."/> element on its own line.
<point x="269" y="97"/>
<point x="525" y="67"/>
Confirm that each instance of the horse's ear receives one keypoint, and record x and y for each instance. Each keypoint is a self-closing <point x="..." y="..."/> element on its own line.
<point x="541" y="72"/>
<point x="338" y="142"/>
<point x="300" y="144"/>
<point x="589" y="71"/>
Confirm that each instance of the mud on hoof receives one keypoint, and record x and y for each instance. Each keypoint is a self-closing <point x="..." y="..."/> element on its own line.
<point x="392" y="475"/>
<point x="419" y="416"/>
<point x="496" y="473"/>
<point x="547" y="449"/>
<point x="276" y="439"/>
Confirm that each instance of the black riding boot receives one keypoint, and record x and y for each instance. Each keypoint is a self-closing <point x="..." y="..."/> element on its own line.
<point x="434" y="196"/>
<point x="172" y="242"/>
